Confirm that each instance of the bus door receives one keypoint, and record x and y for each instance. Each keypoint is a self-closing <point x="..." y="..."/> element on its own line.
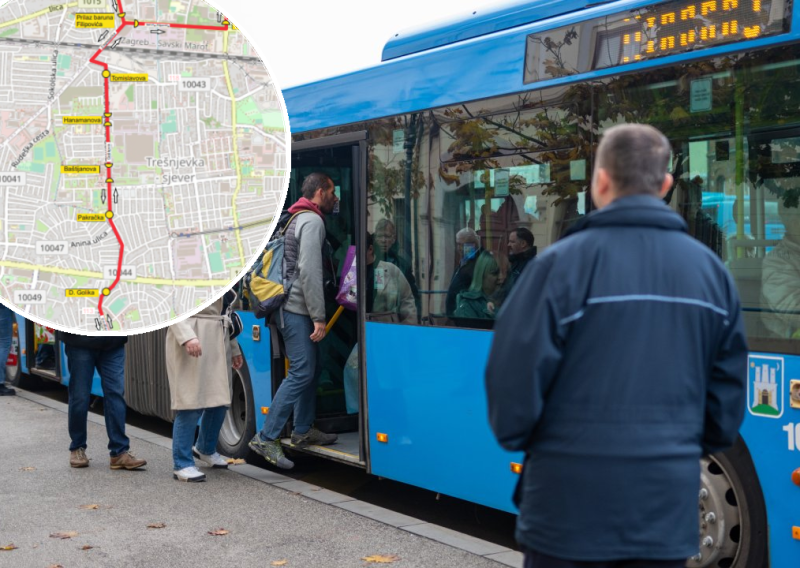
<point x="343" y="158"/>
<point x="42" y="359"/>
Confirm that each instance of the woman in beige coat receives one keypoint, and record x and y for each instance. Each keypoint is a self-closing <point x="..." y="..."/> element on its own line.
<point x="200" y="355"/>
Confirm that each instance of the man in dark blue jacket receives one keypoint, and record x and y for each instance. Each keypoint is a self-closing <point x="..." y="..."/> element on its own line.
<point x="618" y="360"/>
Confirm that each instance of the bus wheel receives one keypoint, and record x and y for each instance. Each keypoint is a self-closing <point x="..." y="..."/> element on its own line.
<point x="733" y="518"/>
<point x="240" y="421"/>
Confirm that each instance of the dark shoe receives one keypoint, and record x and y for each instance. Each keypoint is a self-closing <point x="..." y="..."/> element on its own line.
<point x="270" y="451"/>
<point x="5" y="391"/>
<point x="78" y="458"/>
<point x="313" y="437"/>
<point x="126" y="460"/>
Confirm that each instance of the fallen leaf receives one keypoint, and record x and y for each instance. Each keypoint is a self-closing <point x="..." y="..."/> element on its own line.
<point x="27" y="469"/>
<point x="87" y="547"/>
<point x="8" y="547"/>
<point x="218" y="532"/>
<point x="381" y="558"/>
<point x="64" y="534"/>
<point x="91" y="507"/>
<point x="156" y="525"/>
<point x="237" y="461"/>
<point x="279" y="563"/>
<point x="55" y="566"/>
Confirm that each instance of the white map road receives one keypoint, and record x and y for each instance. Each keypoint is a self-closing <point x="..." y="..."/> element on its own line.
<point x="143" y="157"/>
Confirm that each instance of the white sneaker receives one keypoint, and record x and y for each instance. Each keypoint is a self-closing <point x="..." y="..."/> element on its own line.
<point x="213" y="460"/>
<point x="191" y="474"/>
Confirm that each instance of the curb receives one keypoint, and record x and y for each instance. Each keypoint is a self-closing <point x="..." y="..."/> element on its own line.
<point x="442" y="535"/>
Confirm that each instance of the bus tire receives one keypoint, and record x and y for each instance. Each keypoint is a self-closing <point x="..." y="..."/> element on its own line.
<point x="736" y="533"/>
<point x="240" y="420"/>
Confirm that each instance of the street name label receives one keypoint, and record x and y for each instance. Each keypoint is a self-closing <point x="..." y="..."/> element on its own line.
<point x="95" y="21"/>
<point x="82" y="293"/>
<point x="52" y="247"/>
<point x="128" y="272"/>
<point x="67" y="120"/>
<point x="194" y="85"/>
<point x="80" y="169"/>
<point x="91" y="3"/>
<point x="12" y="178"/>
<point x="128" y="78"/>
<point x="22" y="297"/>
<point x="91" y="217"/>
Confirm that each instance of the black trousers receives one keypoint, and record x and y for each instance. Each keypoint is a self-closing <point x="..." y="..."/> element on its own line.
<point x="535" y="559"/>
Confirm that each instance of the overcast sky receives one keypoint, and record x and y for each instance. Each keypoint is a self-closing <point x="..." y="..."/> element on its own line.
<point x="304" y="40"/>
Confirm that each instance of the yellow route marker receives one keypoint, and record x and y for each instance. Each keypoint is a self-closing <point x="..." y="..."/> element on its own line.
<point x="106" y="73"/>
<point x="135" y="23"/>
<point x="109" y="214"/>
<point x="109" y="180"/>
<point x="107" y="115"/>
<point x="121" y="15"/>
<point x="226" y="23"/>
<point x="108" y="123"/>
<point x="106" y="291"/>
<point x="109" y="164"/>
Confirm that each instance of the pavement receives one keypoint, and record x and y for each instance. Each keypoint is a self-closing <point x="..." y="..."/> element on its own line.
<point x="267" y="519"/>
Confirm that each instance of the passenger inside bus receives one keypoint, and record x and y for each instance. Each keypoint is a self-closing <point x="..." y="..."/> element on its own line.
<point x="468" y="248"/>
<point x="476" y="301"/>
<point x="389" y="298"/>
<point x="386" y="249"/>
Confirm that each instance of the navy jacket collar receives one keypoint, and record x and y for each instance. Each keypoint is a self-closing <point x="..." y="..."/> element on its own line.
<point x="633" y="211"/>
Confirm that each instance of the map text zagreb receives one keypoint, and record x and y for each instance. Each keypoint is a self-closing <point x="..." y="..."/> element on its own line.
<point x="143" y="157"/>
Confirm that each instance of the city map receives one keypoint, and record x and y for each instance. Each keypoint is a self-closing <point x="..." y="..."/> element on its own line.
<point x="143" y="158"/>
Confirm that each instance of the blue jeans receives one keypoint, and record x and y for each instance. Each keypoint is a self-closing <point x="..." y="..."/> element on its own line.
<point x="6" y="336"/>
<point x="111" y="367"/>
<point x="298" y="391"/>
<point x="211" y="420"/>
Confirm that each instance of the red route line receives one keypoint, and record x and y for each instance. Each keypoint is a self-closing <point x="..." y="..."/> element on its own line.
<point x="106" y="82"/>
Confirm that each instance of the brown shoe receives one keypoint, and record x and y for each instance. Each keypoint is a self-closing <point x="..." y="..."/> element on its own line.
<point x="127" y="460"/>
<point x="78" y="458"/>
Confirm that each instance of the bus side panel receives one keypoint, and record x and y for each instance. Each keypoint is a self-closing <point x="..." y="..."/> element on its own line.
<point x="772" y="432"/>
<point x="426" y="392"/>
<point x="258" y="358"/>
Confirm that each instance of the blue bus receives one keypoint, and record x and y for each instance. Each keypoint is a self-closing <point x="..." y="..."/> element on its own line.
<point x="489" y="124"/>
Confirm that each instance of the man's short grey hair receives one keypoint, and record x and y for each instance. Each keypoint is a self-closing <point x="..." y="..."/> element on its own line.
<point x="636" y="158"/>
<point x="468" y="236"/>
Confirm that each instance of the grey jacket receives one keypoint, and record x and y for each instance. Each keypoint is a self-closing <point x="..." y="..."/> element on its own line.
<point x="306" y="296"/>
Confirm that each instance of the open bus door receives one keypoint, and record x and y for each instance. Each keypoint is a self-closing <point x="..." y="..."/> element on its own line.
<point x="344" y="159"/>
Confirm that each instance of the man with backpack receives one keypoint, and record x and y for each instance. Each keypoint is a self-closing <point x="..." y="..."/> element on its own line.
<point x="301" y="321"/>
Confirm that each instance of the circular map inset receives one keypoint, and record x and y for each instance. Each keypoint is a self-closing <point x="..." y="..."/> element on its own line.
<point x="143" y="158"/>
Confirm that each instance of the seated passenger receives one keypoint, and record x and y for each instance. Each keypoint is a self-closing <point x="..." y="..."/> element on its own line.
<point x="386" y="249"/>
<point x="468" y="247"/>
<point x="475" y="302"/>
<point x="780" y="279"/>
<point x="388" y="292"/>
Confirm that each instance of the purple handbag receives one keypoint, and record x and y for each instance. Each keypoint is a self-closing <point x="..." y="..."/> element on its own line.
<point x="347" y="296"/>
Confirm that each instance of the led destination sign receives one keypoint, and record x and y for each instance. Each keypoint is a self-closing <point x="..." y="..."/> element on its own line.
<point x="651" y="32"/>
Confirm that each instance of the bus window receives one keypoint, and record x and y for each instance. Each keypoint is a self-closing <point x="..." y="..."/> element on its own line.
<point x="734" y="127"/>
<point x="519" y="162"/>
